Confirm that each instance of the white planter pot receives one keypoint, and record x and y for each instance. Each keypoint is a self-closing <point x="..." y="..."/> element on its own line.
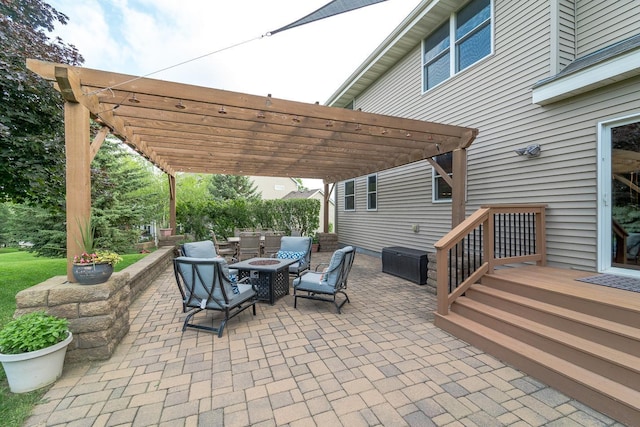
<point x="35" y="369"/>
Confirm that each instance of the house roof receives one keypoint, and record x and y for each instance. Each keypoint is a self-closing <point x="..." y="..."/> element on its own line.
<point x="301" y="194"/>
<point x="186" y="128"/>
<point x="425" y="18"/>
<point x="594" y="58"/>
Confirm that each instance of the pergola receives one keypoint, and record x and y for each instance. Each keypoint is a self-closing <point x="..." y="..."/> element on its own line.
<point x="186" y="128"/>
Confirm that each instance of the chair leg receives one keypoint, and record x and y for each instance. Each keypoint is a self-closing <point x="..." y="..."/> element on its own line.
<point x="221" y="327"/>
<point x="343" y="302"/>
<point x="189" y="316"/>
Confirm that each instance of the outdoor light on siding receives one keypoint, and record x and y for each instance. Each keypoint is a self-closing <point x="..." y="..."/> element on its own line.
<point x="222" y="110"/>
<point x="180" y="105"/>
<point x="358" y="127"/>
<point x="529" y="151"/>
<point x="134" y="100"/>
<point x="296" y="119"/>
<point x="260" y="115"/>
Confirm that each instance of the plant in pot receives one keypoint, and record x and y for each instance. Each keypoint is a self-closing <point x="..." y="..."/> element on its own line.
<point x="315" y="243"/>
<point x="32" y="350"/>
<point x="92" y="266"/>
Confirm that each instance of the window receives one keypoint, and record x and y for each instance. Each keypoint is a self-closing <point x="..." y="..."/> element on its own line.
<point x="471" y="30"/>
<point x="372" y="192"/>
<point x="442" y="190"/>
<point x="349" y="195"/>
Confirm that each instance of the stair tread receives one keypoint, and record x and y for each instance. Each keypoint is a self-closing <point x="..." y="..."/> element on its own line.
<point x="619" y="357"/>
<point x="564" y="281"/>
<point x="587" y="378"/>
<point x="594" y="321"/>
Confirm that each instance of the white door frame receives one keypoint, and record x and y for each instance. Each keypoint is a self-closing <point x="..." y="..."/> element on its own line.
<point x="605" y="242"/>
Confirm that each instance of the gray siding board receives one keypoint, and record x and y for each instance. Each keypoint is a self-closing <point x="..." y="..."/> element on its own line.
<point x="495" y="97"/>
<point x="601" y="23"/>
<point x="566" y="34"/>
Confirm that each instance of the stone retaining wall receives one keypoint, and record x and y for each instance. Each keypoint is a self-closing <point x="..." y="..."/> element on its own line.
<point x="328" y="242"/>
<point x="98" y="314"/>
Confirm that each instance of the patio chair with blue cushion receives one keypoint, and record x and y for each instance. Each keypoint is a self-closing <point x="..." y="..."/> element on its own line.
<point x="205" y="284"/>
<point x="299" y="248"/>
<point x="202" y="249"/>
<point x="325" y="285"/>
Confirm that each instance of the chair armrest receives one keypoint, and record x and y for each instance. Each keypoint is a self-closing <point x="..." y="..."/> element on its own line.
<point x="322" y="263"/>
<point x="247" y="280"/>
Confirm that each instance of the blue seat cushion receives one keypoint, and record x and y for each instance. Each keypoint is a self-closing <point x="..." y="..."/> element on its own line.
<point x="207" y="274"/>
<point x="311" y="282"/>
<point x="203" y="249"/>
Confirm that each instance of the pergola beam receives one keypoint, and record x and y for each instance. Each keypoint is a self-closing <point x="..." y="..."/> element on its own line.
<point x="148" y="114"/>
<point x="186" y="128"/>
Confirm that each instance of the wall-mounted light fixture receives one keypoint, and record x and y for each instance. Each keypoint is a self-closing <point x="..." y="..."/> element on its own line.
<point x="529" y="151"/>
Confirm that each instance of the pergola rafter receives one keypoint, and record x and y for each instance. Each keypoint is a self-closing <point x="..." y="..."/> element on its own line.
<point x="186" y="128"/>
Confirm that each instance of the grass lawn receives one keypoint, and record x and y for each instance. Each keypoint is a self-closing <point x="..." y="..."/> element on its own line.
<point x="20" y="270"/>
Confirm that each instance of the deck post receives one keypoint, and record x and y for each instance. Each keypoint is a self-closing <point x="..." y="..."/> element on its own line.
<point x="442" y="280"/>
<point x="458" y="190"/>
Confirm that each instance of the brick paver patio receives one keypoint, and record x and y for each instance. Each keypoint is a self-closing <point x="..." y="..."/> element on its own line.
<point x="380" y="363"/>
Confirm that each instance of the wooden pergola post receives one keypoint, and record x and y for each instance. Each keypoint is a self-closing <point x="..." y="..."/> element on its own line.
<point x="325" y="226"/>
<point x="172" y="203"/>
<point x="458" y="189"/>
<point x="78" y="177"/>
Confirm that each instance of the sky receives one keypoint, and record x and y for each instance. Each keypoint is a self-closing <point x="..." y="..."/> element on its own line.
<point x="306" y="64"/>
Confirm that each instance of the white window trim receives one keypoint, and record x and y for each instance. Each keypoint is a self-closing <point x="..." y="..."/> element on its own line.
<point x="604" y="239"/>
<point x="452" y="50"/>
<point x="370" y="192"/>
<point x="344" y="189"/>
<point x="434" y="175"/>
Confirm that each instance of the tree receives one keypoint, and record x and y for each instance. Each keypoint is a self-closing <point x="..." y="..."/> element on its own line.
<point x="229" y="187"/>
<point x="31" y="115"/>
<point x="121" y="196"/>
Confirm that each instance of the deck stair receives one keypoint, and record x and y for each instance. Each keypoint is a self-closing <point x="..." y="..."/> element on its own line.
<point x="582" y="339"/>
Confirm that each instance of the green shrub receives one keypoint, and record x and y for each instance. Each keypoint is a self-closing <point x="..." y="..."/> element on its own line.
<point x="201" y="217"/>
<point x="31" y="332"/>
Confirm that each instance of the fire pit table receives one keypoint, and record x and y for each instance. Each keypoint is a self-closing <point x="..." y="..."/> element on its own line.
<point x="270" y="275"/>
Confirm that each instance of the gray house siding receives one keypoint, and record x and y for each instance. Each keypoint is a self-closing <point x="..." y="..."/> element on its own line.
<point x="495" y="97"/>
<point x="601" y="23"/>
<point x="565" y="51"/>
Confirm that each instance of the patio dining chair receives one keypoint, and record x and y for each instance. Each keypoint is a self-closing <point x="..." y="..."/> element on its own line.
<point x="271" y="244"/>
<point x="225" y="249"/>
<point x="205" y="285"/>
<point x="298" y="248"/>
<point x="248" y="246"/>
<point x="327" y="284"/>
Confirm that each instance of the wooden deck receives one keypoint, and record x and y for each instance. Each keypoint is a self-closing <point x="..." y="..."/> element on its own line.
<point x="581" y="338"/>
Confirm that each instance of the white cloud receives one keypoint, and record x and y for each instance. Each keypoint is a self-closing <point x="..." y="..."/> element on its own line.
<point x="306" y="64"/>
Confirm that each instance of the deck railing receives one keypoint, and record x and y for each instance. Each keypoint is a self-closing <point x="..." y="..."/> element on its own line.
<point x="493" y="235"/>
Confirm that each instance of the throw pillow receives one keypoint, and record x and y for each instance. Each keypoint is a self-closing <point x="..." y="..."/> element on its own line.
<point x="290" y="255"/>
